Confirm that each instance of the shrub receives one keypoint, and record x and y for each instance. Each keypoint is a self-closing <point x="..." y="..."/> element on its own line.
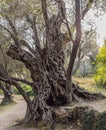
<point x="100" y="76"/>
<point x="26" y="88"/>
<point x="100" y="123"/>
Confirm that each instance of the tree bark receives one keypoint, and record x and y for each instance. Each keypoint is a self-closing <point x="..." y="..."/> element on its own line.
<point x="46" y="66"/>
<point x="73" y="54"/>
<point x="6" y="88"/>
<point x="7" y="94"/>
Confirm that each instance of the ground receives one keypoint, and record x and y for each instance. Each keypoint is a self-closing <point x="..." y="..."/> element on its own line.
<point x="15" y="112"/>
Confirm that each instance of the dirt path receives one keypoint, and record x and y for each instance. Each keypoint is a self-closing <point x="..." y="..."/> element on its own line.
<point x="99" y="106"/>
<point x="10" y="117"/>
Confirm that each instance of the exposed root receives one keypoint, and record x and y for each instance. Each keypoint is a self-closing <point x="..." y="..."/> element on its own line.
<point x="79" y="92"/>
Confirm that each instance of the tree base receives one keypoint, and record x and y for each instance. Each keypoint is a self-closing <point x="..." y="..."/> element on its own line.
<point x="6" y="100"/>
<point x="58" y="115"/>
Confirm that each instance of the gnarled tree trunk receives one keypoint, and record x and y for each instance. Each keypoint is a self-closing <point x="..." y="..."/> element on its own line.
<point x="46" y="66"/>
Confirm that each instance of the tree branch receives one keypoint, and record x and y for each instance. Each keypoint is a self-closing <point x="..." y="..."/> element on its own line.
<point x="23" y="81"/>
<point x="34" y="28"/>
<point x="88" y="6"/>
<point x="24" y="43"/>
<point x="74" y="49"/>
<point x="16" y="40"/>
<point x="11" y="34"/>
<point x="45" y="15"/>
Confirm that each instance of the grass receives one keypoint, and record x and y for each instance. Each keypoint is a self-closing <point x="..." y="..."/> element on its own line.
<point x="89" y="84"/>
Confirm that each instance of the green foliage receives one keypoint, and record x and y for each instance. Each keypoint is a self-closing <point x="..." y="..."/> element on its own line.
<point x="26" y="88"/>
<point x="100" y="76"/>
<point x="91" y="119"/>
<point x="88" y="120"/>
<point x="100" y="122"/>
<point x="1" y="92"/>
<point x="87" y="117"/>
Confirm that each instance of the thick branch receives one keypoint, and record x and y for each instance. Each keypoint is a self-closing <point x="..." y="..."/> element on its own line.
<point x="5" y="61"/>
<point x="74" y="49"/>
<point x="21" y="55"/>
<point x="4" y="89"/>
<point x="23" y="81"/>
<point x="78" y="22"/>
<point x="45" y="15"/>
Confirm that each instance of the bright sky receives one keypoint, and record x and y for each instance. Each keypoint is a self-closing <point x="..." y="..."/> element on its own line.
<point x="101" y="29"/>
<point x="100" y="26"/>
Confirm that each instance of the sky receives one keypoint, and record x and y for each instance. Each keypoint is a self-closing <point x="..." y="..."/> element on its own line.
<point x="100" y="24"/>
<point x="101" y="29"/>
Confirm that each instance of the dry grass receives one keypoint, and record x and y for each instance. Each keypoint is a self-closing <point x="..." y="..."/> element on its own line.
<point x="89" y="84"/>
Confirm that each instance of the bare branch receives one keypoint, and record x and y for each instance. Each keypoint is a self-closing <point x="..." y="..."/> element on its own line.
<point x="69" y="31"/>
<point x="88" y="6"/>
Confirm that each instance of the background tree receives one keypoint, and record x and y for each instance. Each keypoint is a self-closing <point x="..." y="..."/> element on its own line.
<point x="6" y="88"/>
<point x="8" y="67"/>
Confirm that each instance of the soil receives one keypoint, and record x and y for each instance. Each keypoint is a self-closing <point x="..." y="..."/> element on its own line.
<point x="11" y="116"/>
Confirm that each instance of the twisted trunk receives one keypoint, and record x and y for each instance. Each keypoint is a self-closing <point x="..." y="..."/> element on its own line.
<point x="49" y="82"/>
<point x="46" y="66"/>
